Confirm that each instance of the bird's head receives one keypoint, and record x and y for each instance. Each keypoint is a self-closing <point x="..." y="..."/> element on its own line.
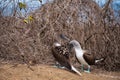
<point x="75" y="44"/>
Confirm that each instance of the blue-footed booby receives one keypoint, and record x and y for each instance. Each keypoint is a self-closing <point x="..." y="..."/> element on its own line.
<point x="83" y="56"/>
<point x="62" y="54"/>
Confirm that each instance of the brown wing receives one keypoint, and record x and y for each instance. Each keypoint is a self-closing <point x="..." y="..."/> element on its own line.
<point x="61" y="54"/>
<point x="89" y="58"/>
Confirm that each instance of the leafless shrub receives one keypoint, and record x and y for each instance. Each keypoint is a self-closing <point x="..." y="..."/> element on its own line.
<point x="78" y="19"/>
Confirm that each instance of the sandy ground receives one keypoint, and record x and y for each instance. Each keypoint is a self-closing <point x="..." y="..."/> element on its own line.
<point x="47" y="72"/>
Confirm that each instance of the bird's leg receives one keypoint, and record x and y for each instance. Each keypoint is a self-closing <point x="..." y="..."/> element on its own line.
<point x="82" y="67"/>
<point x="57" y="65"/>
<point x="88" y="70"/>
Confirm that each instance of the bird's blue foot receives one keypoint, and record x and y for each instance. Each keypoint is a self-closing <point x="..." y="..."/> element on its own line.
<point x="88" y="70"/>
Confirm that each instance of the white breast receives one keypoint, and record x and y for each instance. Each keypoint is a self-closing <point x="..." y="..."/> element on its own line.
<point x="79" y="55"/>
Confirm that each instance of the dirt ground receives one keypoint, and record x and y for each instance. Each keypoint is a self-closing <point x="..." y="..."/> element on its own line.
<point x="48" y="72"/>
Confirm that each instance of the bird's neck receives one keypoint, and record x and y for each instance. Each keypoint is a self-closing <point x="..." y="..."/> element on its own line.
<point x="78" y="51"/>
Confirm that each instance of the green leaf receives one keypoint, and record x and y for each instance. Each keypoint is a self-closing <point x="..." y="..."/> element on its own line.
<point x="30" y="18"/>
<point x="26" y="21"/>
<point x="22" y="5"/>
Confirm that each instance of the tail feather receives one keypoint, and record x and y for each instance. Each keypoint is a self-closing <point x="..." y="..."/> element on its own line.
<point x="99" y="60"/>
<point x="57" y="44"/>
<point x="75" y="70"/>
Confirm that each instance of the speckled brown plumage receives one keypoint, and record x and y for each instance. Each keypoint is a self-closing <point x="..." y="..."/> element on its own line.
<point x="62" y="55"/>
